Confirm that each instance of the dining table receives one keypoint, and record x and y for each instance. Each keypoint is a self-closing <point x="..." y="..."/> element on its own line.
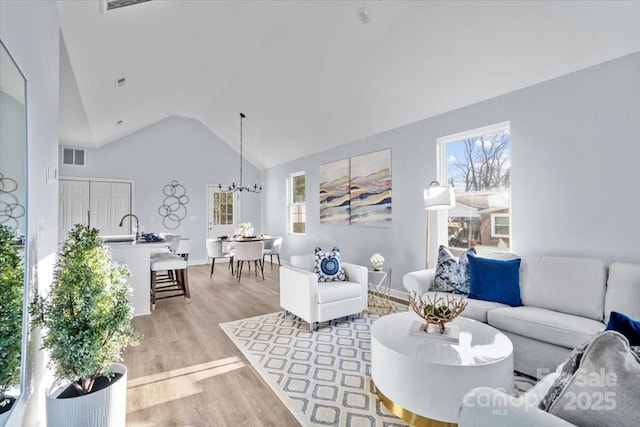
<point x="228" y="241"/>
<point x="261" y="237"/>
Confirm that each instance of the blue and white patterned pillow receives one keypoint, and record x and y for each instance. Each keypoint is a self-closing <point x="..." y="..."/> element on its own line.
<point x="452" y="274"/>
<point x="327" y="266"/>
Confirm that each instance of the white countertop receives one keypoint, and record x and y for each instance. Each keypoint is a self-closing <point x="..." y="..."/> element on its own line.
<point x="138" y="244"/>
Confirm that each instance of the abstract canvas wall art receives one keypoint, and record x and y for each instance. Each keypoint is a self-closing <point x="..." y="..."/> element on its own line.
<point x="334" y="193"/>
<point x="370" y="189"/>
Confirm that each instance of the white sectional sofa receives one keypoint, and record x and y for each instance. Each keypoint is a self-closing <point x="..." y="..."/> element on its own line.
<point x="566" y="301"/>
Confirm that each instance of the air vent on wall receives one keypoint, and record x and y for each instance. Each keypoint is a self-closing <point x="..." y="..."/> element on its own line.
<point x="114" y="4"/>
<point x="73" y="156"/>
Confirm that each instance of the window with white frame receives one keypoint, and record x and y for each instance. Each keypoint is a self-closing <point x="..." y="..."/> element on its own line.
<point x="477" y="163"/>
<point x="500" y="225"/>
<point x="297" y="205"/>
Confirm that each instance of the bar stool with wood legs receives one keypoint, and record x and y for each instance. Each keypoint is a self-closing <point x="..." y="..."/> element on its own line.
<point x="172" y="240"/>
<point x="176" y="263"/>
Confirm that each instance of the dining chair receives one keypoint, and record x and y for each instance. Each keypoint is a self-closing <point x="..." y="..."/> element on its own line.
<point x="271" y="248"/>
<point x="215" y="250"/>
<point x="249" y="251"/>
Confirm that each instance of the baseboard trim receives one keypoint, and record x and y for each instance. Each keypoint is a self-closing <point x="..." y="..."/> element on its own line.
<point x="399" y="295"/>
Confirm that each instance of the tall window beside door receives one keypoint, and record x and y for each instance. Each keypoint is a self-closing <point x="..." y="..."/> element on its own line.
<point x="222" y="208"/>
<point x="477" y="164"/>
<point x="297" y="208"/>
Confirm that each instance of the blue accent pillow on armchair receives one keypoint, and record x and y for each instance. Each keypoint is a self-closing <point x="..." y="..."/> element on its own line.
<point x="495" y="280"/>
<point x="626" y="326"/>
<point x="327" y="266"/>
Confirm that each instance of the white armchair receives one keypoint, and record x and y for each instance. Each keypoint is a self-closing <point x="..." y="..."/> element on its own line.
<point x="313" y="301"/>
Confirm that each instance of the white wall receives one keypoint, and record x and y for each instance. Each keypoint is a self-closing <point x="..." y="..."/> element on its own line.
<point x="575" y="150"/>
<point x="12" y="147"/>
<point x="30" y="31"/>
<point x="173" y="149"/>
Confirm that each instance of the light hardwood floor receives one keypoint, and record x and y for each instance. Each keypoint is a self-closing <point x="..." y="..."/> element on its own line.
<point x="186" y="372"/>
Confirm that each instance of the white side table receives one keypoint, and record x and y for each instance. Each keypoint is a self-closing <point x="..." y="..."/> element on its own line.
<point x="380" y="289"/>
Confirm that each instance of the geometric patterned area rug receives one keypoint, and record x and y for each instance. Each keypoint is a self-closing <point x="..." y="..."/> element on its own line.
<point x="322" y="377"/>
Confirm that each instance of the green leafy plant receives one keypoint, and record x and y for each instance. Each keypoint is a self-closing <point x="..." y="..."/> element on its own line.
<point x="11" y="285"/>
<point x="87" y="315"/>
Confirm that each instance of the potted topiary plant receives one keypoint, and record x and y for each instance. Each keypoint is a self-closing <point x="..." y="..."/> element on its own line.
<point x="11" y="285"/>
<point x="87" y="321"/>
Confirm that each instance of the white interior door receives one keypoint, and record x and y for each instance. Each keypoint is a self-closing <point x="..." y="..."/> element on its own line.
<point x="120" y="206"/>
<point x="222" y="210"/>
<point x="110" y="201"/>
<point x="100" y="195"/>
<point x="99" y="204"/>
<point x="73" y="207"/>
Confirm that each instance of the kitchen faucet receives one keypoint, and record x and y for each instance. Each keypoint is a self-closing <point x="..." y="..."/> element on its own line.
<point x="134" y="229"/>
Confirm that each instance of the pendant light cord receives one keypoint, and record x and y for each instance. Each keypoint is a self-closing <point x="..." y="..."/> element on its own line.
<point x="242" y="116"/>
<point x="233" y="187"/>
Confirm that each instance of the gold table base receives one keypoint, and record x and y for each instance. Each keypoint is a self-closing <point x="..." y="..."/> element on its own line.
<point x="379" y="300"/>
<point x="408" y="416"/>
<point x="379" y="284"/>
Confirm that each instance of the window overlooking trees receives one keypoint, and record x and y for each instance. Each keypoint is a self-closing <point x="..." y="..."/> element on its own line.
<point x="297" y="216"/>
<point x="478" y="165"/>
<point x="222" y="208"/>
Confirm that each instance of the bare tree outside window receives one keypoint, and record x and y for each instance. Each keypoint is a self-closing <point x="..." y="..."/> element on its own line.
<point x="478" y="166"/>
<point x="485" y="164"/>
<point x="223" y="208"/>
<point x="298" y="188"/>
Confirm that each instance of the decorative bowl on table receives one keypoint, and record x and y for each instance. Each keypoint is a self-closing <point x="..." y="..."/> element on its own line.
<point x="437" y="310"/>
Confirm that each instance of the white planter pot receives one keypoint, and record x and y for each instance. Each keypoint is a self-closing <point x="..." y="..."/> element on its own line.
<point x="103" y="408"/>
<point x="4" y="417"/>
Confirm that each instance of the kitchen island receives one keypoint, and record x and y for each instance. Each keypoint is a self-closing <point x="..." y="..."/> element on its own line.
<point x="136" y="255"/>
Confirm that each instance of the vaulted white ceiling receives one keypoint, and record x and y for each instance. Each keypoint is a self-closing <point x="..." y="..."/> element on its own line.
<point x="308" y="74"/>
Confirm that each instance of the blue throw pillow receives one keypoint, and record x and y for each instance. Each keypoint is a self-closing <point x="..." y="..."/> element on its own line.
<point x="327" y="266"/>
<point x="452" y="275"/>
<point x="627" y="326"/>
<point x="495" y="280"/>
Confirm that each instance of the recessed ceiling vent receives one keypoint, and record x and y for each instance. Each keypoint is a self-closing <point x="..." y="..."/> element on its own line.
<point x="73" y="156"/>
<point x="114" y="4"/>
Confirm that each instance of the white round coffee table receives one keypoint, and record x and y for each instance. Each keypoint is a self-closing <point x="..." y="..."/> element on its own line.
<point x="418" y="377"/>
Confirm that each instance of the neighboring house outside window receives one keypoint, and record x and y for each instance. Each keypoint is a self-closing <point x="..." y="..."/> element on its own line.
<point x="500" y="225"/>
<point x="478" y="165"/>
<point x="297" y="207"/>
<point x="222" y="208"/>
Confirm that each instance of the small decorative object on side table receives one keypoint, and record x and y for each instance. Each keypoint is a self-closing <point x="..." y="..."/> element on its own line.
<point x="376" y="262"/>
<point x="380" y="289"/>
<point x="437" y="311"/>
